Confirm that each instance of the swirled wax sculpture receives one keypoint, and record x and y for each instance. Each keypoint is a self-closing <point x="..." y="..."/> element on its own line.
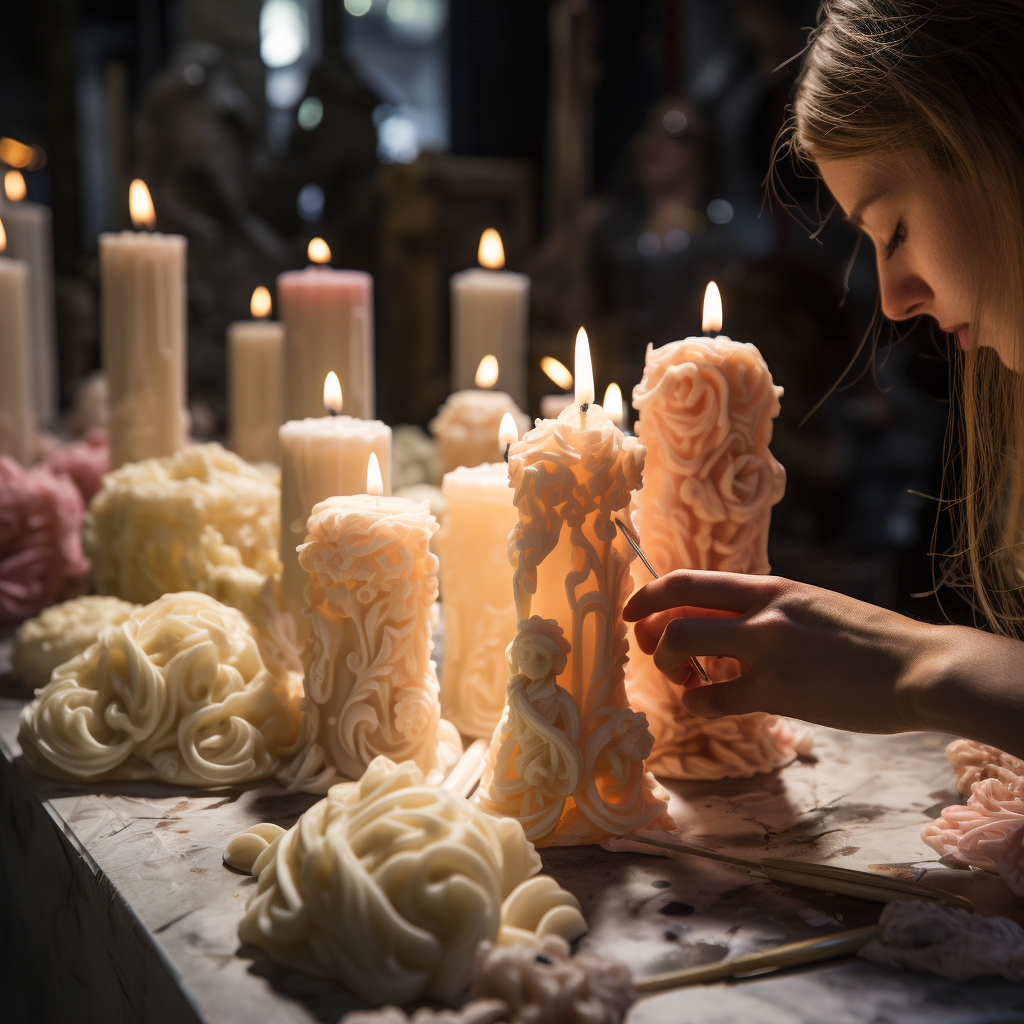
<point x="466" y="427"/>
<point x="61" y="633"/>
<point x="706" y="408"/>
<point x="370" y="685"/>
<point x="987" y="832"/>
<point x="479" y="612"/>
<point x="178" y="692"/>
<point x="388" y="884"/>
<point x="194" y="520"/>
<point x="567" y="757"/>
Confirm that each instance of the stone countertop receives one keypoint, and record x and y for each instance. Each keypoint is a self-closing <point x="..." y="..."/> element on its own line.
<point x="142" y="915"/>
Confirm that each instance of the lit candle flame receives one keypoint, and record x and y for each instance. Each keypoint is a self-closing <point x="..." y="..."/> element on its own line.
<point x="332" y="393"/>
<point x="558" y="372"/>
<point x="3" y="237"/>
<point x="14" y="186"/>
<point x="140" y="205"/>
<point x="374" y="481"/>
<point x="318" y="251"/>
<point x="613" y="405"/>
<point x="508" y="432"/>
<point x="491" y="253"/>
<point x="584" y="370"/>
<point x="259" y="304"/>
<point x="16" y="153"/>
<point x="711" y="321"/>
<point x="487" y="372"/>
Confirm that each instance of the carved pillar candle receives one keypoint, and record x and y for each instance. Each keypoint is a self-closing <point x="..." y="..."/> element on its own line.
<point x="567" y="757"/>
<point x="706" y="408"/>
<point x="328" y="318"/>
<point x="479" y="612"/>
<point x="370" y="684"/>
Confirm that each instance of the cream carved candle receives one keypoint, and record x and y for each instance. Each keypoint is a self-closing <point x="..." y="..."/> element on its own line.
<point x="256" y="381"/>
<point x="567" y="757"/>
<point x="328" y="318"/>
<point x="142" y="306"/>
<point x="17" y="406"/>
<point x="706" y="407"/>
<point x="467" y="425"/>
<point x="479" y="611"/>
<point x="370" y="684"/>
<point x="490" y="314"/>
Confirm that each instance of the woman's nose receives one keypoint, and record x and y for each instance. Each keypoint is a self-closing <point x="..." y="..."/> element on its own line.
<point x="903" y="293"/>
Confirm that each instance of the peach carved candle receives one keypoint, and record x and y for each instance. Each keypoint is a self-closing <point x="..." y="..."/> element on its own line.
<point x="566" y="759"/>
<point x="479" y="612"/>
<point x="706" y="408"/>
<point x="371" y="687"/>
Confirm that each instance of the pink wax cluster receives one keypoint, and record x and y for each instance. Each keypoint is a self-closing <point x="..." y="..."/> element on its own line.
<point x="41" y="559"/>
<point x="988" y="831"/>
<point x="84" y="460"/>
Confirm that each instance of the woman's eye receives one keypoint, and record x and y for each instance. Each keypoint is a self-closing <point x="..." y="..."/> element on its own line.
<point x="897" y="238"/>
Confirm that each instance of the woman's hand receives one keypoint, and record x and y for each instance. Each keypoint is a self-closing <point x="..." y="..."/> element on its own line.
<point x="819" y="656"/>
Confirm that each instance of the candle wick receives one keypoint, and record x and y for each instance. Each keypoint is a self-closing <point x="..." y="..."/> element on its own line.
<point x="507" y="447"/>
<point x="333" y="412"/>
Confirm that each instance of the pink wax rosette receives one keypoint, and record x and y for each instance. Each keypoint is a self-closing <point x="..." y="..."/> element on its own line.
<point x="988" y="831"/>
<point x="41" y="559"/>
<point x="84" y="460"/>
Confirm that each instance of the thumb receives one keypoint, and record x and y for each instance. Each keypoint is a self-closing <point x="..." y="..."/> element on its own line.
<point x="739" y="696"/>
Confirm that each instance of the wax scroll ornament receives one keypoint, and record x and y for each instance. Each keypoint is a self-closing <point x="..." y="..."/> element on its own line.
<point x="706" y="408"/>
<point x="567" y="757"/>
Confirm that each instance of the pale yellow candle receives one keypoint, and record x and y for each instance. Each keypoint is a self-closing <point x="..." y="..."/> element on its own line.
<point x="371" y="687"/>
<point x="467" y="425"/>
<point x="479" y="610"/>
<point x="567" y="757"/>
<point x="17" y="413"/>
<point x="320" y="458"/>
<point x="142" y="326"/>
<point x="256" y="381"/>
<point x="490" y="315"/>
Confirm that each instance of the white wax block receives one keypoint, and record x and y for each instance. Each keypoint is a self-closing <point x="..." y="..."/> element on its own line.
<point x="256" y="387"/>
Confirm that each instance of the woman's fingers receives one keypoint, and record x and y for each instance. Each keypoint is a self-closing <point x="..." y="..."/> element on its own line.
<point x="684" y="638"/>
<point x="738" y="696"/>
<point x="725" y="591"/>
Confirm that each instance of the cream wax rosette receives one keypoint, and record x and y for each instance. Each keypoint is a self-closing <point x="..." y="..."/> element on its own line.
<point x="388" y="885"/>
<point x="179" y="692"/>
<point x="567" y="757"/>
<point x="371" y="686"/>
<point x="706" y="409"/>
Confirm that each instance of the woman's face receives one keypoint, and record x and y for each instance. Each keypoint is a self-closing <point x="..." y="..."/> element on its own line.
<point x="921" y="224"/>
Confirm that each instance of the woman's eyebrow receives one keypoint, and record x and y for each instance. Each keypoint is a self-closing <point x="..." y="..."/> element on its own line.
<point x="856" y="215"/>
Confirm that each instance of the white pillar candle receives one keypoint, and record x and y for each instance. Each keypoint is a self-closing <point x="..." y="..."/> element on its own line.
<point x="328" y="318"/>
<point x="466" y="427"/>
<point x="29" y="229"/>
<point x="479" y="611"/>
<point x="567" y="757"/>
<point x="17" y="413"/>
<point x="490" y="315"/>
<point x="255" y="383"/>
<point x="143" y="323"/>
<point x="370" y="684"/>
<point x="320" y="458"/>
<point x="552" y="406"/>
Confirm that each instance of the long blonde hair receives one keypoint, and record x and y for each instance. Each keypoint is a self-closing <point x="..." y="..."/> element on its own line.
<point x="946" y="78"/>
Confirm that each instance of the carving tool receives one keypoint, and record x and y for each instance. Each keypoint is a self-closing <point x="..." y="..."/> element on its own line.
<point x="465" y="775"/>
<point x="634" y="543"/>
<point x="842" y="881"/>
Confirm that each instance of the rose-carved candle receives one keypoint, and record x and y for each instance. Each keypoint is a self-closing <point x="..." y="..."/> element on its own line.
<point x="706" y="408"/>
<point x="567" y="757"/>
<point x="371" y="687"/>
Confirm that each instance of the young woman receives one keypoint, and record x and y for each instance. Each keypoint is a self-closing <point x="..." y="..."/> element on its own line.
<point x="912" y="112"/>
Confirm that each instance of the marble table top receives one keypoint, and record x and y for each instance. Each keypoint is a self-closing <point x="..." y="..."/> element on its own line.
<point x="858" y="801"/>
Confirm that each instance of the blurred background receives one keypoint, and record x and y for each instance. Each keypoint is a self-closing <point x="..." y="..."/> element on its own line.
<point x="620" y="148"/>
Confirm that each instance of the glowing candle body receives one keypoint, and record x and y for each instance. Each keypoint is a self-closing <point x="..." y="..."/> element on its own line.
<point x="479" y="612"/>
<point x="466" y="427"/>
<point x="29" y="229"/>
<point x="143" y="318"/>
<point x="567" y="757"/>
<point x="17" y="411"/>
<point x="256" y="387"/>
<point x="328" y="318"/>
<point x="706" y="408"/>
<point x="320" y="458"/>
<point x="490" y="315"/>
<point x="370" y="684"/>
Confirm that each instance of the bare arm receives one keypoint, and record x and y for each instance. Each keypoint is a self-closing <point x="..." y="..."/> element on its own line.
<point x="821" y="657"/>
